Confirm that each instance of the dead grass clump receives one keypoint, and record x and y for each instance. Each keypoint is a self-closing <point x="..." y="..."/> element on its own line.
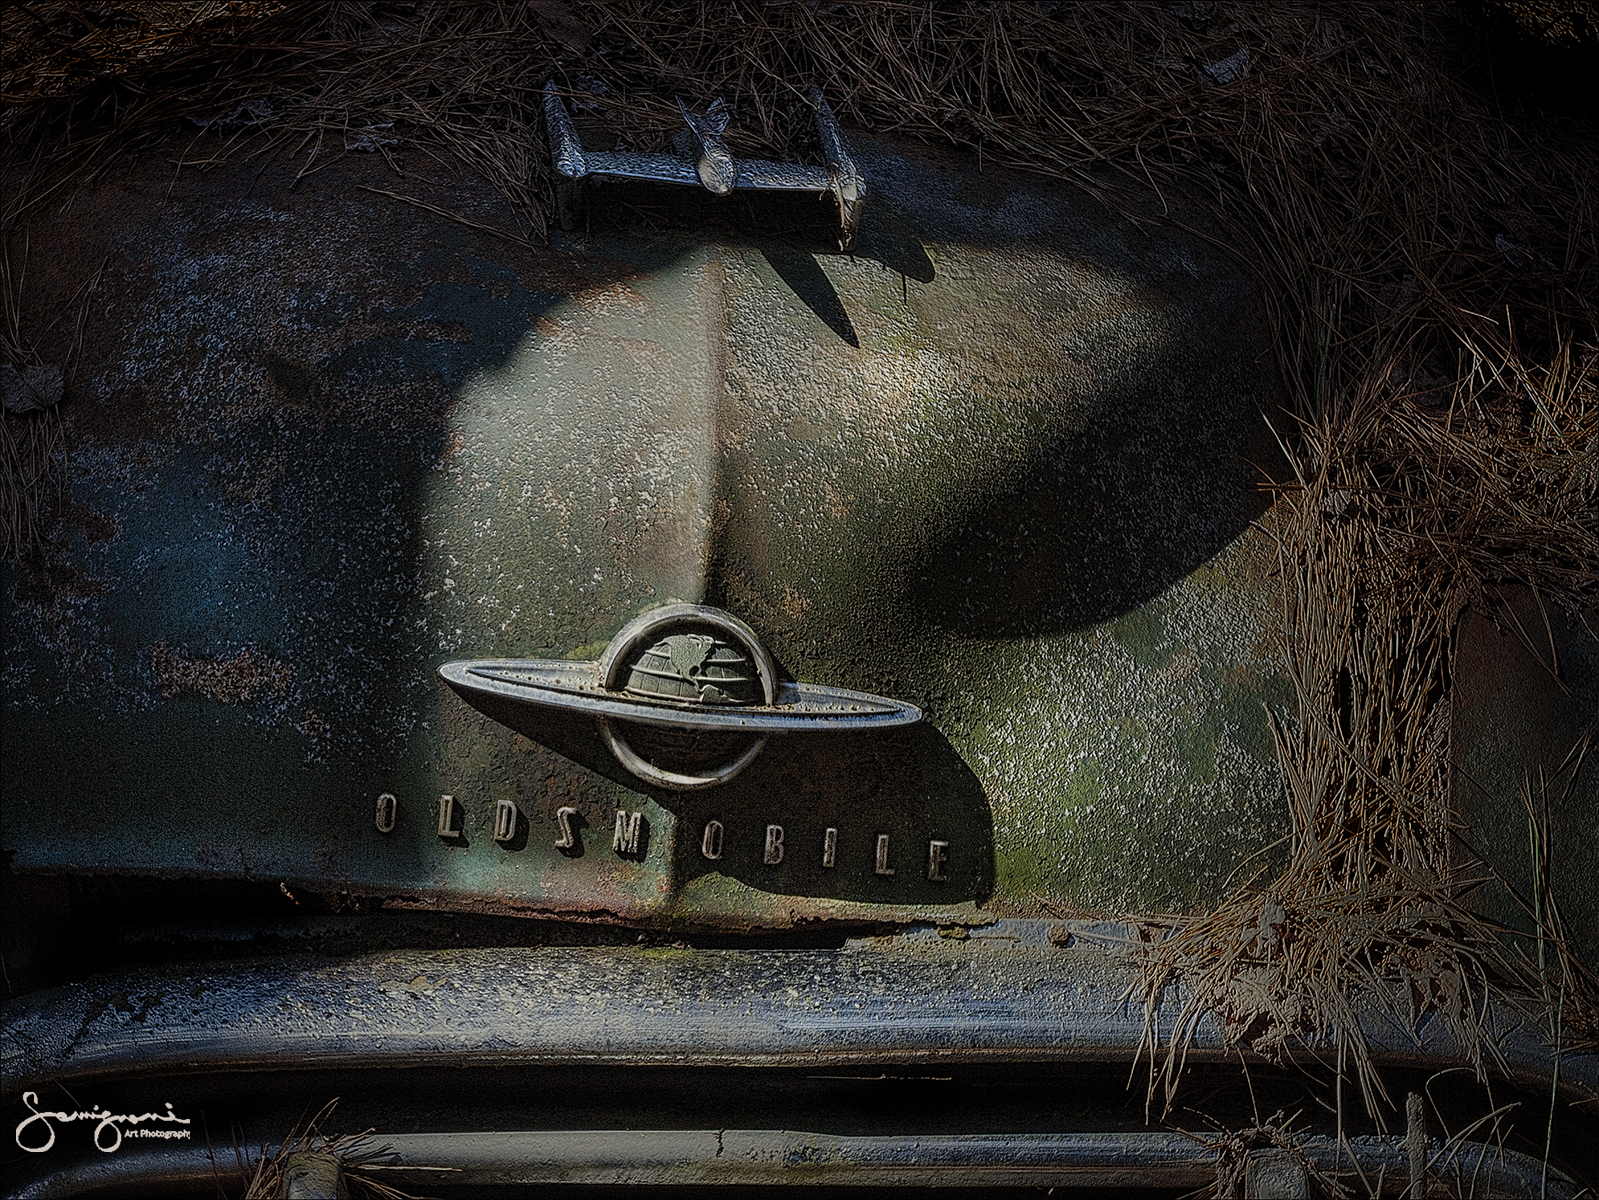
<point x="32" y="445"/>
<point x="1234" y="1150"/>
<point x="1502" y="482"/>
<point x="32" y="450"/>
<point x="1413" y="511"/>
<point x="57" y="49"/>
<point x="307" y="1152"/>
<point x="1365" y="900"/>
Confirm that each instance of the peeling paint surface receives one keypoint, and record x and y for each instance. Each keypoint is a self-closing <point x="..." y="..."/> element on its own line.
<point x="1000" y="465"/>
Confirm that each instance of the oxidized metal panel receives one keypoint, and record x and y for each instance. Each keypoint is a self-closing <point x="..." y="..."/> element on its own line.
<point x="1526" y="707"/>
<point x="998" y="466"/>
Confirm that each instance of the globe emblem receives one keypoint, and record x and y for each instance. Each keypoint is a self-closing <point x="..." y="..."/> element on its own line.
<point x="695" y="657"/>
<point x="698" y="667"/>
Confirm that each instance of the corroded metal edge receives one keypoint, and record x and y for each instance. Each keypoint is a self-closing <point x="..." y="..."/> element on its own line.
<point x="768" y="1156"/>
<point x="917" y="997"/>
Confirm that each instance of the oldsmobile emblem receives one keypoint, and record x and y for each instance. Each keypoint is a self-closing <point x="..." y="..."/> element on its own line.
<point x="685" y="696"/>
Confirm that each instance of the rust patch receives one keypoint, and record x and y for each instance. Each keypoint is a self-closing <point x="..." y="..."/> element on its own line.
<point x="237" y="680"/>
<point x="96" y="526"/>
<point x="837" y="503"/>
<point x="795" y="605"/>
<point x="312" y="725"/>
<point x="448" y="331"/>
<point x="324" y="295"/>
<point x="719" y="515"/>
<point x="251" y="481"/>
<point x="43" y="581"/>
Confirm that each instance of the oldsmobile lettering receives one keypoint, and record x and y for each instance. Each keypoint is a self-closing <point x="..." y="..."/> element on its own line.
<point x="714" y="835"/>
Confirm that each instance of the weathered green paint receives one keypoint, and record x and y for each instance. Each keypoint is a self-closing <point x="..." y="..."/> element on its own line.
<point x="997" y="465"/>
<point x="1525" y="709"/>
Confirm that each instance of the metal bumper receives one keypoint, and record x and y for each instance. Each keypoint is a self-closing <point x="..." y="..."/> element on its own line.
<point x="1006" y="998"/>
<point x="1004" y="992"/>
<point x="759" y="1157"/>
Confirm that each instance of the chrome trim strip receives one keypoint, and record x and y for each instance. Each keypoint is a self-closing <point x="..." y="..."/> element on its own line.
<point x="912" y="998"/>
<point x="801" y="707"/>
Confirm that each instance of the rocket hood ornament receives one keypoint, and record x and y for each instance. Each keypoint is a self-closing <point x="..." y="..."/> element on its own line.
<point x="705" y="161"/>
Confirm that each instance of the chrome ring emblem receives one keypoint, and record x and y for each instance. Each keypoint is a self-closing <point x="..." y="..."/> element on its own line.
<point x="688" y="653"/>
<point x="685" y="696"/>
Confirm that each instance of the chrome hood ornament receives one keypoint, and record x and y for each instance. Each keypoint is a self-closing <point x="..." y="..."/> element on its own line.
<point x="685" y="695"/>
<point x="705" y="161"/>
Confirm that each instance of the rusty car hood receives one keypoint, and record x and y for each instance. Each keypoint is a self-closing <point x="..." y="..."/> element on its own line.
<point x="1000" y="465"/>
